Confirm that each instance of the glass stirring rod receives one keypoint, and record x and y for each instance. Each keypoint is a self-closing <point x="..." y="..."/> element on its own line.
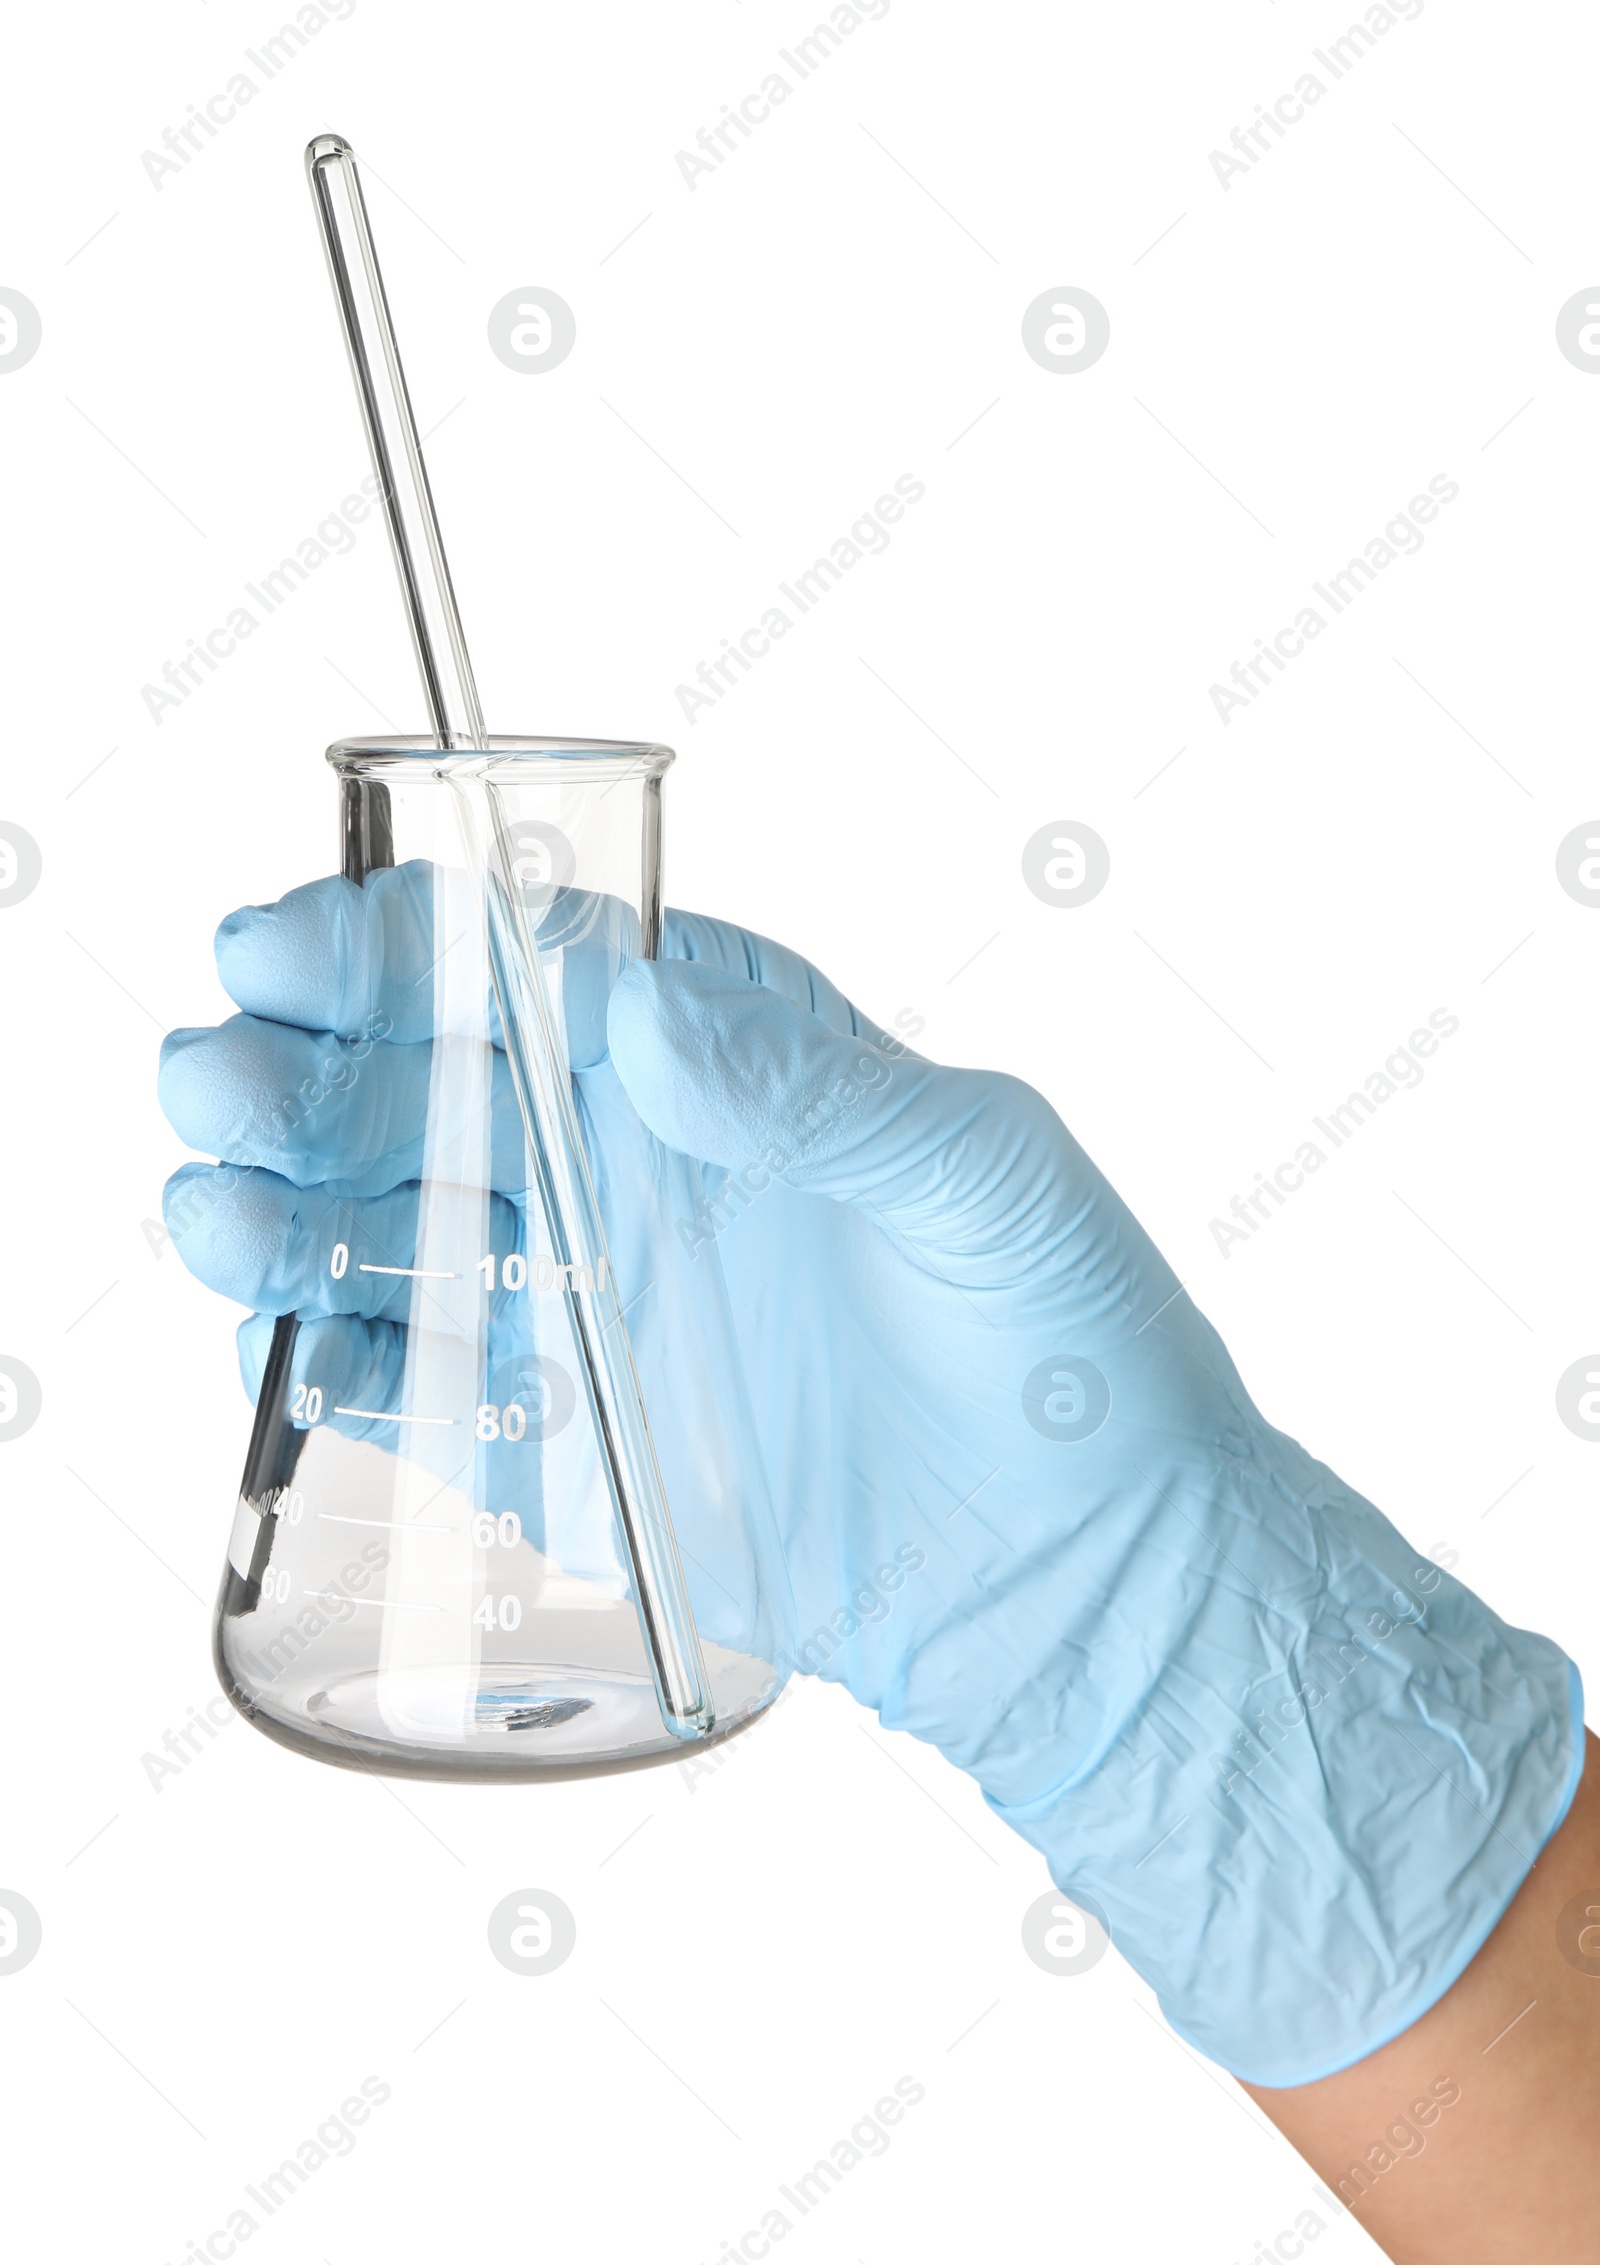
<point x="431" y="611"/>
<point x="616" y="1403"/>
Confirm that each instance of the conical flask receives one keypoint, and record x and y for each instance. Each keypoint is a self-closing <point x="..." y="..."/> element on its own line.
<point x="503" y="1512"/>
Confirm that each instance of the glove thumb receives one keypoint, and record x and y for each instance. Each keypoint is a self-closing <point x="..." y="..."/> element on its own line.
<point x="741" y="1077"/>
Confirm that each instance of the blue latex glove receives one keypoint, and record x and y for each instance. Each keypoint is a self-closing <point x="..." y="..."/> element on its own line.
<point x="315" y="1098"/>
<point x="1029" y="1511"/>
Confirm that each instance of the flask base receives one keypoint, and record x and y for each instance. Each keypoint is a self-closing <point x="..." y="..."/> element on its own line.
<point x="511" y="1721"/>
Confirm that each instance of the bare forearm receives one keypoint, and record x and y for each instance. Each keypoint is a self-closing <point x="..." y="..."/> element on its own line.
<point x="1474" y="2139"/>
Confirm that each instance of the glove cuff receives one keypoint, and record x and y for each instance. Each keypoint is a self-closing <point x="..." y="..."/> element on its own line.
<point x="1309" y="1899"/>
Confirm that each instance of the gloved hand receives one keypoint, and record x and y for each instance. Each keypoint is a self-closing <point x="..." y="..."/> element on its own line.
<point x="1031" y="1515"/>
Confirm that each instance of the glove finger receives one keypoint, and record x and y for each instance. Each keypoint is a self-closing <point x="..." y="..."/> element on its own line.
<point x="696" y="937"/>
<point x="960" y="1160"/>
<point x="345" y="1374"/>
<point x="337" y="957"/>
<point x="349" y="1116"/>
<point x="361" y="962"/>
<point x="257" y="1238"/>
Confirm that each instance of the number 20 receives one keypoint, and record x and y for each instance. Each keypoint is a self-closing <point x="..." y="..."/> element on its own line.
<point x="307" y="1402"/>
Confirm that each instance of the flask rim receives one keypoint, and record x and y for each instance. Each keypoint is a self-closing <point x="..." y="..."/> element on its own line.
<point x="401" y="755"/>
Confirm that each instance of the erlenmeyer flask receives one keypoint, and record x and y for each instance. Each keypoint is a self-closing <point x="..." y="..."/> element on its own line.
<point x="503" y="1512"/>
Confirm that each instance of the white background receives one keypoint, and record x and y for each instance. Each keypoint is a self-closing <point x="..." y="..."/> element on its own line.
<point x="1374" y="838"/>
